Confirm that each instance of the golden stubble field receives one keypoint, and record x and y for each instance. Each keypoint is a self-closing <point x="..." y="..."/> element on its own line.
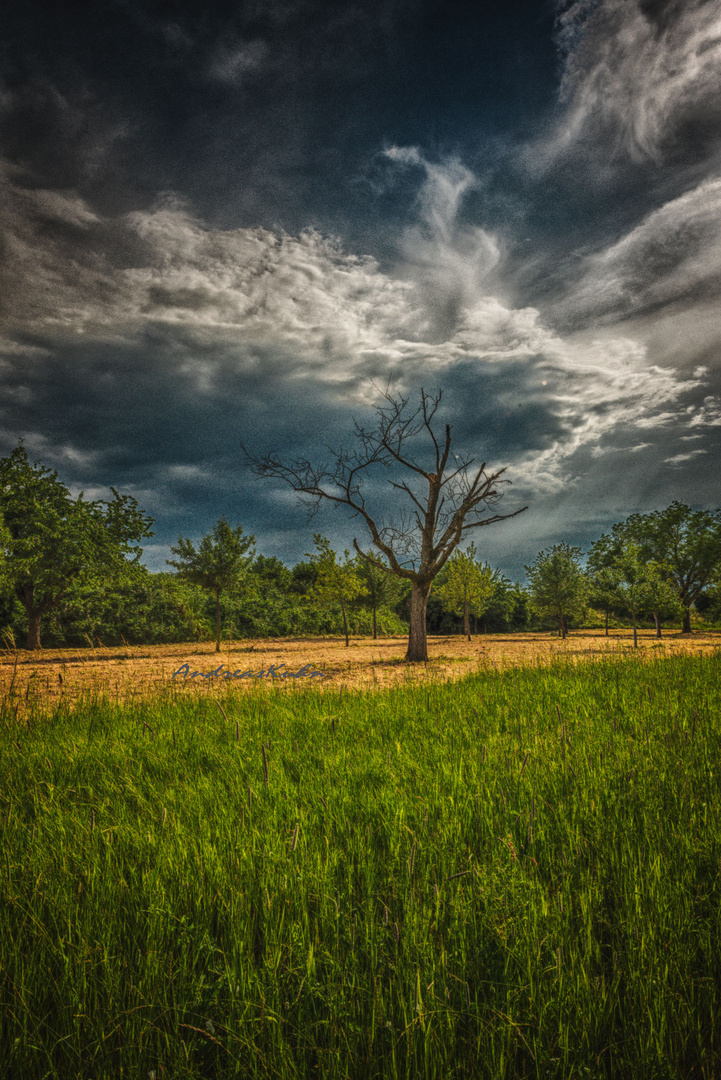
<point x="128" y="672"/>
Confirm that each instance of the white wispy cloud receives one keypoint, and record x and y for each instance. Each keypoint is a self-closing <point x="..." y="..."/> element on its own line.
<point x="677" y="459"/>
<point x="635" y="75"/>
<point x="673" y="255"/>
<point x="450" y="261"/>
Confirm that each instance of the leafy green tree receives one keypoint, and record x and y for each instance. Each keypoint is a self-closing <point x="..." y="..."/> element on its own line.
<point x="686" y="546"/>
<point x="467" y="587"/>
<point x="135" y="608"/>
<point x="303" y="576"/>
<point x="709" y="603"/>
<point x="381" y="588"/>
<point x="640" y="586"/>
<point x="623" y="575"/>
<point x="336" y="582"/>
<point x="509" y="606"/>
<point x="558" y="585"/>
<point x="219" y="562"/>
<point x="57" y="542"/>
<point x="269" y="570"/>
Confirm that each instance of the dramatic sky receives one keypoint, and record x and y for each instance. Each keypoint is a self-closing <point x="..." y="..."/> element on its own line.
<point x="237" y="221"/>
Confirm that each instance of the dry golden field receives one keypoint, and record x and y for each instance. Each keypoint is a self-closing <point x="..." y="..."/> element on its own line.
<point x="132" y="671"/>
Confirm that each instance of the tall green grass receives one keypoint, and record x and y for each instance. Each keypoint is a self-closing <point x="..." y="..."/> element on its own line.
<point x="516" y="875"/>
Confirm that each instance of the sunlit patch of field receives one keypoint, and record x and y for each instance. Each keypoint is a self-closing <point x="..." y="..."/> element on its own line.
<point x="132" y="671"/>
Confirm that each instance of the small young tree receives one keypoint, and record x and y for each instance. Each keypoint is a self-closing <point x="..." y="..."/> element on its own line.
<point x="467" y="588"/>
<point x="57" y="542"/>
<point x="558" y="585"/>
<point x="381" y="588"/>
<point x="218" y="564"/>
<point x="336" y="583"/>
<point x="602" y="589"/>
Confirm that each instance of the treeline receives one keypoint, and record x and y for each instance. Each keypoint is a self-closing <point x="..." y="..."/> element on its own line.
<point x="138" y="607"/>
<point x="69" y="568"/>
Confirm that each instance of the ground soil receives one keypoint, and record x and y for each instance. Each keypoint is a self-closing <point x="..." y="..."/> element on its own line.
<point x="129" y="672"/>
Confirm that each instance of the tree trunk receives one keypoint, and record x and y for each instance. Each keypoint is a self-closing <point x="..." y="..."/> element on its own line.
<point x="635" y="633"/>
<point x="658" y="624"/>
<point x="417" y="639"/>
<point x="34" y="618"/>
<point x="466" y="621"/>
<point x="217" y="620"/>
<point x="686" y="629"/>
<point x="607" y="622"/>
<point x="345" y="623"/>
<point x="34" y="612"/>
<point x="375" y="628"/>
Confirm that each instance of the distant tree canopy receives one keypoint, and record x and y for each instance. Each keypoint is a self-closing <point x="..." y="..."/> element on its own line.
<point x="685" y="545"/>
<point x="57" y="542"/>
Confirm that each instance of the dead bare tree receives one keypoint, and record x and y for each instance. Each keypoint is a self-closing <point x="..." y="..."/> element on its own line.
<point x="418" y="545"/>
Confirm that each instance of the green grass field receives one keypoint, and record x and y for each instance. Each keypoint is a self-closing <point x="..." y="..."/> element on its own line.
<point x="515" y="875"/>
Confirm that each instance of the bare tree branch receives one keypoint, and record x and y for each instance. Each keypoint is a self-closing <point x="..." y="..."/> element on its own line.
<point x="427" y="538"/>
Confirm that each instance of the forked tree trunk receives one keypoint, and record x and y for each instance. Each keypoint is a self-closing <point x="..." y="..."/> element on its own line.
<point x="658" y="624"/>
<point x="345" y="623"/>
<point x="217" y="620"/>
<point x="687" y="620"/>
<point x="417" y="639"/>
